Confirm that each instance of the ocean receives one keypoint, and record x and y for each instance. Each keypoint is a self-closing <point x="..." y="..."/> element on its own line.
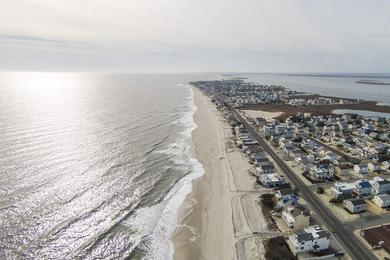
<point x="93" y="166"/>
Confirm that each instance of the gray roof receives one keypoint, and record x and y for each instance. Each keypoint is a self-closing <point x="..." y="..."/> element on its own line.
<point x="303" y="236"/>
<point x="267" y="166"/>
<point x="300" y="210"/>
<point x="323" y="233"/>
<point x="384" y="196"/>
<point x="384" y="181"/>
<point x="357" y="201"/>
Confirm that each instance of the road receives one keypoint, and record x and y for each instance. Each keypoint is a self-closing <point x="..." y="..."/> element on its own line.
<point x="352" y="244"/>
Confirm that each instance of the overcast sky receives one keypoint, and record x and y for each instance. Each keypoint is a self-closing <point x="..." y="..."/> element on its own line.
<point x="195" y="35"/>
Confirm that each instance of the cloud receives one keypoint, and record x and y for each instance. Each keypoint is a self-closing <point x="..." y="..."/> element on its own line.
<point x="196" y="35"/>
<point x="32" y="40"/>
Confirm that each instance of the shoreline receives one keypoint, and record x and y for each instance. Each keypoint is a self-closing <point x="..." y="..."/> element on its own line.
<point x="220" y="217"/>
<point x="204" y="229"/>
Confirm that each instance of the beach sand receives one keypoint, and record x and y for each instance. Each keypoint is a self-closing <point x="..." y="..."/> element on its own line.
<point x="213" y="218"/>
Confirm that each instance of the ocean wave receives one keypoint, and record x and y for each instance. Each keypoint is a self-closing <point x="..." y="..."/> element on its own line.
<point x="157" y="231"/>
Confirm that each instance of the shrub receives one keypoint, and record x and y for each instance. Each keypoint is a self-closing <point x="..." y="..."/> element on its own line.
<point x="320" y="190"/>
<point x="276" y="248"/>
<point x="268" y="200"/>
<point x="335" y="200"/>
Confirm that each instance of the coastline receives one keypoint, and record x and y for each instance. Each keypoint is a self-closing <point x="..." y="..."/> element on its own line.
<point x="220" y="217"/>
<point x="204" y="228"/>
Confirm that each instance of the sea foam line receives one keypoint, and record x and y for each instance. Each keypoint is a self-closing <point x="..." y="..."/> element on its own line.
<point x="158" y="248"/>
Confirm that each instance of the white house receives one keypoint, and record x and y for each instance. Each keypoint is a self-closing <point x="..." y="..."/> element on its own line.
<point x="375" y="167"/>
<point x="360" y="168"/>
<point x="356" y="205"/>
<point x="342" y="190"/>
<point x="385" y="165"/>
<point x="380" y="185"/>
<point x="311" y="239"/>
<point x="296" y="216"/>
<point x="271" y="180"/>
<point x="321" y="172"/>
<point x="382" y="200"/>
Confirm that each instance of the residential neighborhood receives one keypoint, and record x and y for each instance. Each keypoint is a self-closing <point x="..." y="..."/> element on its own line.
<point x="343" y="161"/>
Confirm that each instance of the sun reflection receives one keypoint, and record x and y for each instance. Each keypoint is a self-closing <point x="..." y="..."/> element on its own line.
<point x="43" y="82"/>
<point x="52" y="93"/>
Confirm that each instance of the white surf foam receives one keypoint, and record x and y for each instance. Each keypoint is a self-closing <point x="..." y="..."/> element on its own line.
<point x="159" y="222"/>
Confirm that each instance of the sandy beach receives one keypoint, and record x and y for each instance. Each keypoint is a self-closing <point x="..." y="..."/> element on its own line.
<point x="213" y="220"/>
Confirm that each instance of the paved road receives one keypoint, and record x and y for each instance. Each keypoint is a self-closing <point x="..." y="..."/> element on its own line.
<point x="352" y="244"/>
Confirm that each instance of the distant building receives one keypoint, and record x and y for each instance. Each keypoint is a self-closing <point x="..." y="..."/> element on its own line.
<point x="385" y="165"/>
<point x="375" y="167"/>
<point x="382" y="200"/>
<point x="380" y="185"/>
<point x="330" y="157"/>
<point x="356" y="205"/>
<point x="311" y="239"/>
<point x="321" y="172"/>
<point x="360" y="168"/>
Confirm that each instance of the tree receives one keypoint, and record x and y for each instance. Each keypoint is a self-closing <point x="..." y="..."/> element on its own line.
<point x="268" y="200"/>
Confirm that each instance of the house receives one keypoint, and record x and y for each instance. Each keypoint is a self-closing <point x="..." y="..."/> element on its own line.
<point x="360" y="168"/>
<point x="321" y="172"/>
<point x="282" y="193"/>
<point x="268" y="130"/>
<point x="262" y="161"/>
<point x="259" y="121"/>
<point x="362" y="188"/>
<point x="380" y="185"/>
<point x="266" y="168"/>
<point x="271" y="180"/>
<point x="307" y="158"/>
<point x="342" y="190"/>
<point x="296" y="216"/>
<point x="375" y="167"/>
<point x="258" y="155"/>
<point x="385" y="165"/>
<point x="330" y="157"/>
<point x="287" y="200"/>
<point x="382" y="200"/>
<point x="355" y="205"/>
<point x="311" y="239"/>
<point x="252" y="148"/>
<point x="288" y="149"/>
